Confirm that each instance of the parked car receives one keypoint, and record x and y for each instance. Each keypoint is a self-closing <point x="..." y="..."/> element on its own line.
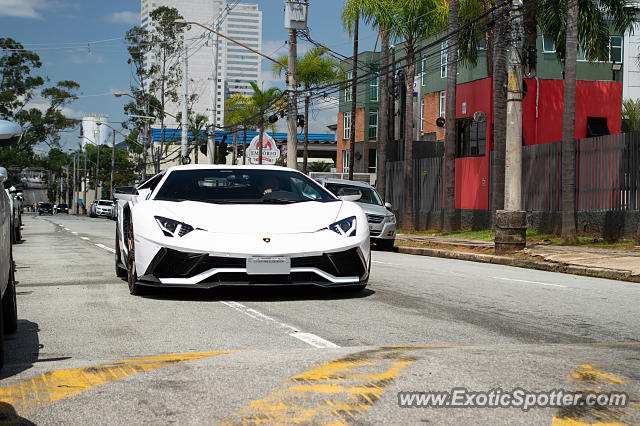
<point x="382" y="221"/>
<point x="45" y="208"/>
<point x="16" y="215"/>
<point x="92" y="208"/>
<point x="10" y="133"/>
<point x="62" y="208"/>
<point x="279" y="227"/>
<point x="104" y="208"/>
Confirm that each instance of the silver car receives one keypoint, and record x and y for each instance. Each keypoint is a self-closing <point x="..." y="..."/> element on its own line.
<point x="105" y="208"/>
<point x="382" y="222"/>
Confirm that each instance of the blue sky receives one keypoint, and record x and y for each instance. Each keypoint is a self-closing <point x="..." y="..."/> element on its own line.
<point x="60" y="31"/>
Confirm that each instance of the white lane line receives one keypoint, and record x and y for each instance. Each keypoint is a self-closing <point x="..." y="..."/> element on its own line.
<point x="74" y="233"/>
<point x="314" y="340"/>
<point x="529" y="282"/>
<point x="84" y="238"/>
<point x="61" y="225"/>
<point x="382" y="263"/>
<point x="308" y="338"/>
<point x="102" y="246"/>
<point x="67" y="229"/>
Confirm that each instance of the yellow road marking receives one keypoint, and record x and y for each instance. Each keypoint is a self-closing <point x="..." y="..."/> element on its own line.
<point x="49" y="388"/>
<point x="333" y="393"/>
<point x="589" y="374"/>
<point x="581" y="415"/>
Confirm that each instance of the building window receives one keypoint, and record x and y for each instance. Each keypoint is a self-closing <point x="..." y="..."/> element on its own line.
<point x="424" y="70"/>
<point x="373" y="89"/>
<point x="443" y="104"/>
<point x="373" y="124"/>
<point x="472" y="138"/>
<point x="347" y="87"/>
<point x="346" y="121"/>
<point x="345" y="161"/>
<point x="615" y="49"/>
<point x="548" y="44"/>
<point x="373" y="161"/>
<point x="422" y="114"/>
<point x="443" y="59"/>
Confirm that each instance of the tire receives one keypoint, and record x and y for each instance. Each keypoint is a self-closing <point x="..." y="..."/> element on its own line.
<point x="18" y="234"/>
<point x="1" y="337"/>
<point x="120" y="272"/>
<point x="132" y="276"/>
<point x="10" y="305"/>
<point x="386" y="245"/>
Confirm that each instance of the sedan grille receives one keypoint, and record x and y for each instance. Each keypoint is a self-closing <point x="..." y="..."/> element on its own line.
<point x="372" y="218"/>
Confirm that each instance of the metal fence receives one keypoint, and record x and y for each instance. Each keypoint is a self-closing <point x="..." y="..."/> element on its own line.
<point x="607" y="174"/>
<point x="427" y="184"/>
<point x="607" y="177"/>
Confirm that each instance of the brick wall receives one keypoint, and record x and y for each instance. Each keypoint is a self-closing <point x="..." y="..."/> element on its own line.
<point x="431" y="114"/>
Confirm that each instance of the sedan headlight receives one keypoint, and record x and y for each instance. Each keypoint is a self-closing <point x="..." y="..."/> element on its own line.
<point x="391" y="218"/>
<point x="345" y="227"/>
<point x="173" y="228"/>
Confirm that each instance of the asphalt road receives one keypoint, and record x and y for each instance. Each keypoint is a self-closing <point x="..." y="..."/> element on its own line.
<point x="86" y="352"/>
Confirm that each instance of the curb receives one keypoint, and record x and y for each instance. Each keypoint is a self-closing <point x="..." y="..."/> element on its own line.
<point x="522" y="263"/>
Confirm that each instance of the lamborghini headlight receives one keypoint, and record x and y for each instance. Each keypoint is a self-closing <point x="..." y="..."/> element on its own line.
<point x="345" y="227"/>
<point x="173" y="228"/>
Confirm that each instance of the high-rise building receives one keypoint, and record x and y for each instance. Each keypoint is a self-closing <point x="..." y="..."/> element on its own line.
<point x="236" y="65"/>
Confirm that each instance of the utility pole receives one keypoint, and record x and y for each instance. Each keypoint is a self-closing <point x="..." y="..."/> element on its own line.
<point x="211" y="130"/>
<point x="511" y="223"/>
<point x="96" y="135"/>
<point x="75" y="177"/>
<point x="145" y="143"/>
<point x="84" y="185"/>
<point x="113" y="163"/>
<point x="295" y="18"/>
<point x="66" y="193"/>
<point x="292" y="107"/>
<point x="354" y="93"/>
<point x="184" y="152"/>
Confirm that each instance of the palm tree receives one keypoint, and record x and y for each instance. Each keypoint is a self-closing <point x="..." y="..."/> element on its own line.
<point x="631" y="114"/>
<point x="262" y="101"/>
<point x="378" y="14"/>
<point x="450" y="129"/>
<point x="239" y="112"/>
<point x="313" y="69"/>
<point x="587" y="27"/>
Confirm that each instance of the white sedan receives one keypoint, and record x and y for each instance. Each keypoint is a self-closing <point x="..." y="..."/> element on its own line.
<point x="203" y="226"/>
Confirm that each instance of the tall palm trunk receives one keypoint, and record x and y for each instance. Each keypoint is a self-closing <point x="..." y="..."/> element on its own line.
<point x="568" y="126"/>
<point x="407" y="216"/>
<point x="305" y="153"/>
<point x="450" y="129"/>
<point x="354" y="92"/>
<point x="499" y="112"/>
<point x="383" y="116"/>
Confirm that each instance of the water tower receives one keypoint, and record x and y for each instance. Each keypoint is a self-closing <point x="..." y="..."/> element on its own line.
<point x="90" y="126"/>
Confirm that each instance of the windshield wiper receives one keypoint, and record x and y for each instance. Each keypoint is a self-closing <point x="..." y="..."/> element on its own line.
<point x="278" y="201"/>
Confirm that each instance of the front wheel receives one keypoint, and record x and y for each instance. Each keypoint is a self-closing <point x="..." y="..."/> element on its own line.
<point x="386" y="245"/>
<point x="10" y="303"/>
<point x="120" y="272"/>
<point x="132" y="276"/>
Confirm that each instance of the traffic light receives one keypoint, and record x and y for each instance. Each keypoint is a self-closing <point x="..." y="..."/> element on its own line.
<point x="300" y="120"/>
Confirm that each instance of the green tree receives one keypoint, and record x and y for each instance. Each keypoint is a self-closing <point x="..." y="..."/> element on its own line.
<point x="164" y="73"/>
<point x="380" y="15"/>
<point x="262" y="102"/>
<point x="584" y="24"/>
<point x="631" y="114"/>
<point x="413" y="21"/>
<point x="313" y="69"/>
<point x="239" y="114"/>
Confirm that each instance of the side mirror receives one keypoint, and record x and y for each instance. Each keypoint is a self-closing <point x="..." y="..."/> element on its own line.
<point x="10" y="133"/>
<point x="3" y="174"/>
<point x="350" y="194"/>
<point x="387" y="205"/>
<point x="125" y="190"/>
<point x="13" y="190"/>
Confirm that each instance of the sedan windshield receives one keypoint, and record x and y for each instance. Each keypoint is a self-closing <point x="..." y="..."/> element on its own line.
<point x="241" y="186"/>
<point x="369" y="195"/>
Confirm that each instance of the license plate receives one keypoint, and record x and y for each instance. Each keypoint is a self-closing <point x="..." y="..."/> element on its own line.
<point x="268" y="265"/>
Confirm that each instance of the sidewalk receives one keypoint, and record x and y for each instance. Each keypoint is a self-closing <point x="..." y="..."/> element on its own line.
<point x="604" y="263"/>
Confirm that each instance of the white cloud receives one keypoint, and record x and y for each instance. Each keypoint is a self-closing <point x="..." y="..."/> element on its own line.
<point x="67" y="111"/>
<point x="22" y="8"/>
<point x="126" y="18"/>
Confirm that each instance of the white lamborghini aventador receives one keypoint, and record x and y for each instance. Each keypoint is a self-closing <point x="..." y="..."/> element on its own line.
<point x="204" y="226"/>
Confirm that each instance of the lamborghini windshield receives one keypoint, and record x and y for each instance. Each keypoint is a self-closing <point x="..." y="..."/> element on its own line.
<point x="241" y="186"/>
